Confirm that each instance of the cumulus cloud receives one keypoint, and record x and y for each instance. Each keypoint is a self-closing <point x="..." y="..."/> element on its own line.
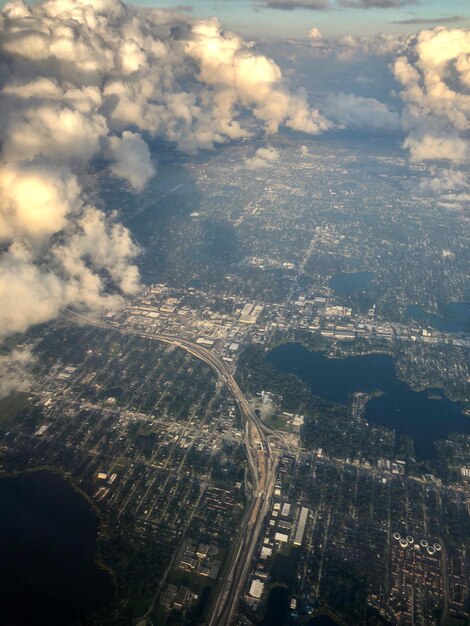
<point x="36" y="200"/>
<point x="352" y="111"/>
<point x="132" y="160"/>
<point x="263" y="157"/>
<point x="433" y="69"/>
<point x="314" y="33"/>
<point x="240" y="76"/>
<point x="434" y="72"/>
<point x="87" y="82"/>
<point x="316" y="39"/>
<point x="448" y="186"/>
<point x="440" y="180"/>
<point x="435" y="75"/>
<point x="15" y="371"/>
<point x="431" y="145"/>
<point x="383" y="44"/>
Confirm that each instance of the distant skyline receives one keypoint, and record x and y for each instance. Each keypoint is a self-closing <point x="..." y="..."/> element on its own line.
<point x="291" y="18"/>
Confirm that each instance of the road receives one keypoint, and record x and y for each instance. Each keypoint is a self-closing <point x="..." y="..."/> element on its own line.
<point x="262" y="462"/>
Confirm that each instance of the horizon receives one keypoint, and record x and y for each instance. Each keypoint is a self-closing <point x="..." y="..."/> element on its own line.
<point x="291" y="20"/>
<point x="259" y="20"/>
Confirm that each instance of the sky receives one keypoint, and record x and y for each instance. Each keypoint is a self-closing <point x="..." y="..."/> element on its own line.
<point x="254" y="18"/>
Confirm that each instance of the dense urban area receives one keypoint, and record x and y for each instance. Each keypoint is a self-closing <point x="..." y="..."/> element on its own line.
<point x="230" y="488"/>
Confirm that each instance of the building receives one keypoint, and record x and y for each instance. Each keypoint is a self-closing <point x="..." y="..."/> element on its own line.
<point x="299" y="533"/>
<point x="256" y="589"/>
<point x="182" y="598"/>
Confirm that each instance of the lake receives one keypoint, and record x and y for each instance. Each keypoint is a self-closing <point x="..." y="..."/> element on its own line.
<point x="48" y="574"/>
<point x="347" y="283"/>
<point x="455" y="317"/>
<point x="322" y="620"/>
<point x="412" y="413"/>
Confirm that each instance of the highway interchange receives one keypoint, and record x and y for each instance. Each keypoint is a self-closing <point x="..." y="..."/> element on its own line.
<point x="262" y="461"/>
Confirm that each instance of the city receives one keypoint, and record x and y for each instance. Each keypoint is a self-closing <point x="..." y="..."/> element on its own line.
<point x="235" y="313"/>
<point x="200" y="475"/>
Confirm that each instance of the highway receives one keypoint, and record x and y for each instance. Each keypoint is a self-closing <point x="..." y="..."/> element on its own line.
<point x="262" y="462"/>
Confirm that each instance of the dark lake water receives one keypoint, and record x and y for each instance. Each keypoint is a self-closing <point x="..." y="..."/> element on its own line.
<point x="455" y="318"/>
<point x="277" y="608"/>
<point x="48" y="574"/>
<point x="322" y="620"/>
<point x="284" y="567"/>
<point x="412" y="413"/>
<point x="346" y="283"/>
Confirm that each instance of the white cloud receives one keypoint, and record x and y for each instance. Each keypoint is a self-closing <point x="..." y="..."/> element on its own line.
<point x="88" y="80"/>
<point x="15" y="371"/>
<point x="436" y="145"/>
<point x="353" y="111"/>
<point x="314" y="33"/>
<point x="36" y="200"/>
<point x="132" y="160"/>
<point x="440" y="180"/>
<point x="433" y="72"/>
<point x="349" y="47"/>
<point x="263" y="157"/>
<point x="229" y="65"/>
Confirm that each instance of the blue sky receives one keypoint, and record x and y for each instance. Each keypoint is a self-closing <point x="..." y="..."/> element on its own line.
<point x="250" y="17"/>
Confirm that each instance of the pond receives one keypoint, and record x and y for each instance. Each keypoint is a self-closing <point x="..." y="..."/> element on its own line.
<point x="347" y="283"/>
<point x="454" y="319"/>
<point x="277" y="608"/>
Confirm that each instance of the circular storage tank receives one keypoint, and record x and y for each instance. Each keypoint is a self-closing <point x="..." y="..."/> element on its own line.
<point x="403" y="543"/>
<point x="410" y="539"/>
<point x="397" y="536"/>
<point x="437" y="547"/>
<point x="424" y="543"/>
<point x="431" y="550"/>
